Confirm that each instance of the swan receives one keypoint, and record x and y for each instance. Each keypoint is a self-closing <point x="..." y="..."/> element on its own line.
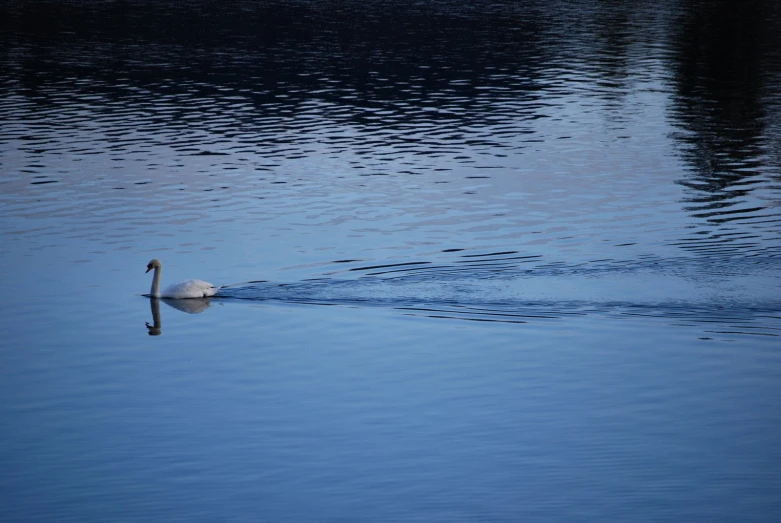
<point x="177" y="291"/>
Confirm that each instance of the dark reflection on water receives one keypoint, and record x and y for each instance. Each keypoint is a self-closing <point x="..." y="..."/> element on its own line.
<point x="726" y="102"/>
<point x="154" y="89"/>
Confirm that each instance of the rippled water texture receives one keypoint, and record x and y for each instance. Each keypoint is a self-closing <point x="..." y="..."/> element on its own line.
<point x="589" y="189"/>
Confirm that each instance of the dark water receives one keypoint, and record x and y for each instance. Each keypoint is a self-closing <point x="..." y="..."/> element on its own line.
<point x="484" y="261"/>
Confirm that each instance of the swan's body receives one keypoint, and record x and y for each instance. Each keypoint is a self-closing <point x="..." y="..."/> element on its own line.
<point x="178" y="291"/>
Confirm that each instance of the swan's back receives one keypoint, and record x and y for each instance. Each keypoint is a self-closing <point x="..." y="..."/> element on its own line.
<point x="189" y="289"/>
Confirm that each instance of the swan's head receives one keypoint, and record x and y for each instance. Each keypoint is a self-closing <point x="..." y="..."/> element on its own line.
<point x="154" y="264"/>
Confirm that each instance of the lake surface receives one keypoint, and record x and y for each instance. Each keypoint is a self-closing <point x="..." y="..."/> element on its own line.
<point x="483" y="261"/>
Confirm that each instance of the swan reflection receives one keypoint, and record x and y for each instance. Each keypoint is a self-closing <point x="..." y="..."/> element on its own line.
<point x="190" y="306"/>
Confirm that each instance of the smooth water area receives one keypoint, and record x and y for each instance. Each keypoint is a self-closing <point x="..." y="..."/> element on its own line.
<point x="482" y="261"/>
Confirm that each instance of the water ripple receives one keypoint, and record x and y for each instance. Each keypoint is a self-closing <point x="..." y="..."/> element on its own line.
<point x="495" y="287"/>
<point x="498" y="129"/>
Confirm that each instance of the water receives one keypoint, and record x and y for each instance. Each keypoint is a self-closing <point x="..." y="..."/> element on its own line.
<point x="483" y="261"/>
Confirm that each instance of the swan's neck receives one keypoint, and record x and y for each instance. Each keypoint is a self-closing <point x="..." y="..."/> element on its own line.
<point x="156" y="283"/>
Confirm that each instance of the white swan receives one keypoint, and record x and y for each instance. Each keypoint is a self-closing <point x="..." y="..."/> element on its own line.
<point x="177" y="291"/>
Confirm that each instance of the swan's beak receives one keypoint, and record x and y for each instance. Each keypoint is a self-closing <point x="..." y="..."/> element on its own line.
<point x="148" y="268"/>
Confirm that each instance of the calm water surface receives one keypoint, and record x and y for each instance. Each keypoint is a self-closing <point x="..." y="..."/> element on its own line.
<point x="484" y="261"/>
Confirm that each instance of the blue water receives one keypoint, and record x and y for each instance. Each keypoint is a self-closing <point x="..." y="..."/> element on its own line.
<point x="481" y="261"/>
